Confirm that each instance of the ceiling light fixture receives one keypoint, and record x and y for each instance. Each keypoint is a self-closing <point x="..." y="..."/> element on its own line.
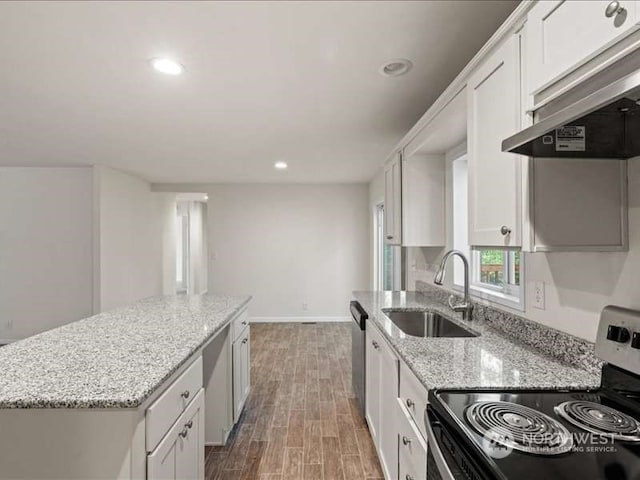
<point x="280" y="165"/>
<point x="167" y="66"/>
<point x="396" y="67"/>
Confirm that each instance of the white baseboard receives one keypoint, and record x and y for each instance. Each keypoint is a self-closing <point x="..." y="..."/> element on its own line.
<point x="300" y="319"/>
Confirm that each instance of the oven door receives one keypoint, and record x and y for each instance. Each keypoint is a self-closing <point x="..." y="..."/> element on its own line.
<point x="446" y="457"/>
<point x="437" y="466"/>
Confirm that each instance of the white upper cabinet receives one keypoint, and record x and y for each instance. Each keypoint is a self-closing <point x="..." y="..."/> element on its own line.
<point x="561" y="35"/>
<point x="414" y="201"/>
<point x="493" y="90"/>
<point x="423" y="196"/>
<point x="393" y="201"/>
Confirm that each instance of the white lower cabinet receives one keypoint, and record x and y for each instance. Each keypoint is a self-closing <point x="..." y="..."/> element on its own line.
<point x="381" y="385"/>
<point x="180" y="454"/>
<point x="412" y="447"/>
<point x="241" y="372"/>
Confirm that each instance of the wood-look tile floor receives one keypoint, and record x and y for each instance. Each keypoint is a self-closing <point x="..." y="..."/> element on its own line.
<point x="301" y="419"/>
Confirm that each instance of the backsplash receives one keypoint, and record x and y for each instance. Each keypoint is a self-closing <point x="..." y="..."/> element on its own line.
<point x="572" y="350"/>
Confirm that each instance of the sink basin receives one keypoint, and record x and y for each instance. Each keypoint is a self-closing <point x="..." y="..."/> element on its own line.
<point x="427" y="324"/>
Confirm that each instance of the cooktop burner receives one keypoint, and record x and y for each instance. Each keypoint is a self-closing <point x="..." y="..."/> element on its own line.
<point x="519" y="427"/>
<point x="600" y="419"/>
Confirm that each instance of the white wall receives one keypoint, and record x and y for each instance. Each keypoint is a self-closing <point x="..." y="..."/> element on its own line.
<point x="46" y="245"/>
<point x="577" y="285"/>
<point x="287" y="245"/>
<point x="133" y="225"/>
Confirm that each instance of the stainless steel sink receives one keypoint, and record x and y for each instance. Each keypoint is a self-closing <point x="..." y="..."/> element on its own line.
<point x="426" y="324"/>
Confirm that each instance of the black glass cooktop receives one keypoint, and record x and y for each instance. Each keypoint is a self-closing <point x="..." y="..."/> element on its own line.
<point x="520" y="435"/>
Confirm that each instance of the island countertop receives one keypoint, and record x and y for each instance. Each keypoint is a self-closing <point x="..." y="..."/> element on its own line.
<point x="115" y="359"/>
<point x="490" y="360"/>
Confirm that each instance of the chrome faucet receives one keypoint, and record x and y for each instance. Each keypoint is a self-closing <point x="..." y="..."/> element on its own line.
<point x="466" y="308"/>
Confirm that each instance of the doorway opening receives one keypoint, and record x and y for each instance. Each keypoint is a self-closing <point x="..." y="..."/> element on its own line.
<point x="191" y="243"/>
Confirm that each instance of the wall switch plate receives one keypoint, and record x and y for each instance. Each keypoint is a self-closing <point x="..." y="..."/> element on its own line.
<point x="538" y="295"/>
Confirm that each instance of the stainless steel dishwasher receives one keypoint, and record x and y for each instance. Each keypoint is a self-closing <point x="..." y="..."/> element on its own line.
<point x="358" y="325"/>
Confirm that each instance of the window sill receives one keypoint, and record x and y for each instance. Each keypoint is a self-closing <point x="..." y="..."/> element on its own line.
<point x="493" y="296"/>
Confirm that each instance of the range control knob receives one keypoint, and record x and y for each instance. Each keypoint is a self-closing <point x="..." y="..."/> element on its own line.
<point x="635" y="340"/>
<point x="618" y="334"/>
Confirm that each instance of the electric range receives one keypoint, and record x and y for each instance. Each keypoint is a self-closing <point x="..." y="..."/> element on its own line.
<point x="488" y="434"/>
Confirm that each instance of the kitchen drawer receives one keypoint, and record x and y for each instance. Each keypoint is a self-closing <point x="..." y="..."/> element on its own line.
<point x="413" y="396"/>
<point x="238" y="324"/>
<point x="180" y="454"/>
<point x="412" y="458"/>
<point x="166" y="409"/>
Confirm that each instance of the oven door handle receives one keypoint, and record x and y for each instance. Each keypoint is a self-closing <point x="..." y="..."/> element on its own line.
<point x="443" y="468"/>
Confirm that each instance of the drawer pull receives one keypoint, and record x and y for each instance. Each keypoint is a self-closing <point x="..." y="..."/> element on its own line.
<point x="184" y="432"/>
<point x="410" y="403"/>
<point x="185" y="394"/>
<point x="408" y="477"/>
<point x="245" y="340"/>
<point x="189" y="424"/>
<point x="376" y="345"/>
<point x="406" y="441"/>
<point x="244" y="322"/>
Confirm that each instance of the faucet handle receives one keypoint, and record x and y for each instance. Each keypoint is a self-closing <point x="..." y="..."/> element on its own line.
<point x="453" y="306"/>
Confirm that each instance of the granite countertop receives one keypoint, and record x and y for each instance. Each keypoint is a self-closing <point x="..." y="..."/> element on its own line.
<point x="115" y="359"/>
<point x="491" y="360"/>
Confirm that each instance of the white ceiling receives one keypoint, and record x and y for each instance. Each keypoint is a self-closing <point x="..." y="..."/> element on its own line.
<point x="264" y="81"/>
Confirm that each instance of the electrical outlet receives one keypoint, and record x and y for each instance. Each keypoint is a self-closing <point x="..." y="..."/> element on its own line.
<point x="538" y="295"/>
<point x="305" y="307"/>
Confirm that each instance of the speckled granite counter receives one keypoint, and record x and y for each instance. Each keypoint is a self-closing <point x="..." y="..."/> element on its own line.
<point x="115" y="359"/>
<point x="489" y="360"/>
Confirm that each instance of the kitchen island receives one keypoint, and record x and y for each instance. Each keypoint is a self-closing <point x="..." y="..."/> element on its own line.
<point x="93" y="398"/>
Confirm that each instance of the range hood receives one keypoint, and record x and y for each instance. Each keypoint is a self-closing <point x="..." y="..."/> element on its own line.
<point x="600" y="123"/>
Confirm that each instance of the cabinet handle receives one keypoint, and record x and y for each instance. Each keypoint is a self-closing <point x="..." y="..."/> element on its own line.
<point x="189" y="424"/>
<point x="245" y="340"/>
<point x="185" y="394"/>
<point x="406" y="441"/>
<point x="408" y="477"/>
<point x="504" y="230"/>
<point x="389" y="237"/>
<point x="410" y="403"/>
<point x="184" y="432"/>
<point x="375" y="345"/>
<point x="614" y="8"/>
<point x="244" y="322"/>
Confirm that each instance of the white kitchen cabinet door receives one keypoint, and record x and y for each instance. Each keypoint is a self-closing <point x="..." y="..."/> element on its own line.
<point x="180" y="455"/>
<point x="382" y="370"/>
<point x="389" y="384"/>
<point x="241" y="372"/>
<point x="561" y="35"/>
<point x="495" y="182"/>
<point x="393" y="201"/>
<point x="372" y="381"/>
<point x="423" y="198"/>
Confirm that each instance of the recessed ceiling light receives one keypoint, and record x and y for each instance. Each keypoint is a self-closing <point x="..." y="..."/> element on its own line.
<point x="396" y="67"/>
<point x="280" y="165"/>
<point x="167" y="66"/>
